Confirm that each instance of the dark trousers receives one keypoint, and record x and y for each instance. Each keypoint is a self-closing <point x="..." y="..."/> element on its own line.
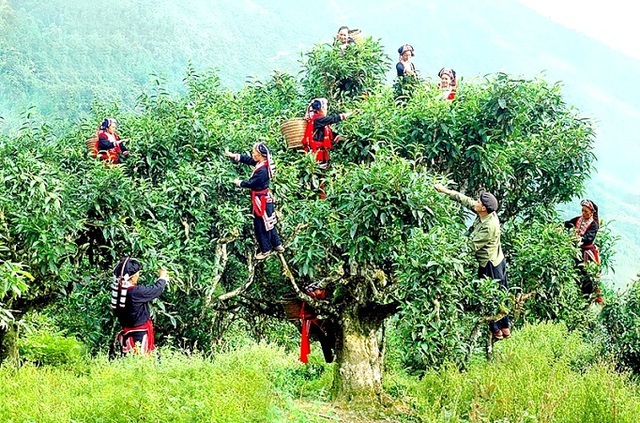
<point x="267" y="240"/>
<point x="498" y="272"/>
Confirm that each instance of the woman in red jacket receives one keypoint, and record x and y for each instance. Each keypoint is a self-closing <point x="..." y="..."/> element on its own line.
<point x="319" y="137"/>
<point x="110" y="147"/>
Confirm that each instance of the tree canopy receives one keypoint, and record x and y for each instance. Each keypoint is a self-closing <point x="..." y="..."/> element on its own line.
<point x="383" y="243"/>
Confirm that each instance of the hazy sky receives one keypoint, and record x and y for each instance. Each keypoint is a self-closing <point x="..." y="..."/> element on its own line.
<point x="611" y="21"/>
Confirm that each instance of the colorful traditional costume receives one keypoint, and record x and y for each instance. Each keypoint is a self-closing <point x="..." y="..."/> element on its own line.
<point x="109" y="147"/>
<point x="401" y="67"/>
<point x="264" y="216"/>
<point x="449" y="92"/>
<point x="130" y="304"/>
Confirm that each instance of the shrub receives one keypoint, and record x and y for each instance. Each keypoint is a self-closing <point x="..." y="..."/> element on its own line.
<point x="45" y="345"/>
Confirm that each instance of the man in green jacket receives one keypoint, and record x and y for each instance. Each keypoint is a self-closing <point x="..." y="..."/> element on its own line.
<point x="485" y="243"/>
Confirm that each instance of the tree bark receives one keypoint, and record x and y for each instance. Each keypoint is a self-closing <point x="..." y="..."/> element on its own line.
<point x="358" y="373"/>
<point x="8" y="343"/>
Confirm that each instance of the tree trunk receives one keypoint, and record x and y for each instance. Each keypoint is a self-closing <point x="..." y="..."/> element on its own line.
<point x="8" y="343"/>
<point x="358" y="374"/>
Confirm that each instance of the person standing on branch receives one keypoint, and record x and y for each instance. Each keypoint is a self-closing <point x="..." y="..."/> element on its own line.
<point x="485" y="243"/>
<point x="130" y="304"/>
<point x="264" y="216"/>
<point x="319" y="137"/>
<point x="110" y="146"/>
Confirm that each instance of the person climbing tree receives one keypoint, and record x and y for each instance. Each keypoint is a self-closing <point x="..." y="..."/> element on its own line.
<point x="319" y="137"/>
<point x="485" y="243"/>
<point x="110" y="147"/>
<point x="264" y="216"/>
<point x="130" y="304"/>
<point x="586" y="228"/>
<point x="311" y="326"/>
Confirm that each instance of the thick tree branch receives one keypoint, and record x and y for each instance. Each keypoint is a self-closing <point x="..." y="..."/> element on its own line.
<point x="251" y="268"/>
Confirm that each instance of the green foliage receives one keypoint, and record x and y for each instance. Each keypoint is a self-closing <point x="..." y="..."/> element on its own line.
<point x="516" y="138"/>
<point x="544" y="373"/>
<point x="541" y="262"/>
<point x="341" y="75"/>
<point x="621" y="320"/>
<point x="383" y="241"/>
<point x="13" y="282"/>
<point x="45" y="345"/>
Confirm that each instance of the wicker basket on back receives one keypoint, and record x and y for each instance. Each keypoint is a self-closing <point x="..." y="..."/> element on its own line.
<point x="293" y="131"/>
<point x="92" y="146"/>
<point x="357" y="35"/>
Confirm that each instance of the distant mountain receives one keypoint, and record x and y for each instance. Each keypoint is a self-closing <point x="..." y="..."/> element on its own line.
<point x="107" y="53"/>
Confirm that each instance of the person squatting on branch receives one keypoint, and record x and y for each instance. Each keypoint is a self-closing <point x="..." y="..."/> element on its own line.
<point x="110" y="146"/>
<point x="586" y="228"/>
<point x="485" y="242"/>
<point x="264" y="216"/>
<point x="130" y="304"/>
<point x="318" y="136"/>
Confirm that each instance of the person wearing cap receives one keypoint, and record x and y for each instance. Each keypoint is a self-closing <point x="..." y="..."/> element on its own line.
<point x="586" y="228"/>
<point x="343" y="40"/>
<point x="404" y="65"/>
<point x="110" y="147"/>
<point x="264" y="216"/>
<point x="130" y="304"/>
<point x="485" y="243"/>
<point x="447" y="83"/>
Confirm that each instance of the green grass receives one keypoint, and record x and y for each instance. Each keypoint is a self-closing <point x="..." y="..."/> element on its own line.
<point x="543" y="374"/>
<point x="238" y="387"/>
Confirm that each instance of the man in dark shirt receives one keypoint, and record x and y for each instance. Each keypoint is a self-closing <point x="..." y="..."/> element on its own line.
<point x="130" y="304"/>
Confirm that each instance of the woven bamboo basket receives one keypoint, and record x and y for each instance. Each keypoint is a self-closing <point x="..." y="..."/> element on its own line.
<point x="92" y="147"/>
<point x="293" y="131"/>
<point x="357" y="35"/>
<point x="292" y="309"/>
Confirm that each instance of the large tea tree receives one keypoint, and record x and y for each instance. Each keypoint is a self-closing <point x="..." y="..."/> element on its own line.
<point x="383" y="243"/>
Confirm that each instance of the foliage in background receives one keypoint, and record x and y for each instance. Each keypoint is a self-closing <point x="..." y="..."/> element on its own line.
<point x="621" y="320"/>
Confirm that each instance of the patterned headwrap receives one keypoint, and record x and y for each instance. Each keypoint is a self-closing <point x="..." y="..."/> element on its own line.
<point x="107" y="123"/>
<point x="125" y="269"/>
<point x="262" y="148"/>
<point x="593" y="207"/>
<point x="315" y="106"/>
<point x="404" y="48"/>
<point x="450" y="72"/>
